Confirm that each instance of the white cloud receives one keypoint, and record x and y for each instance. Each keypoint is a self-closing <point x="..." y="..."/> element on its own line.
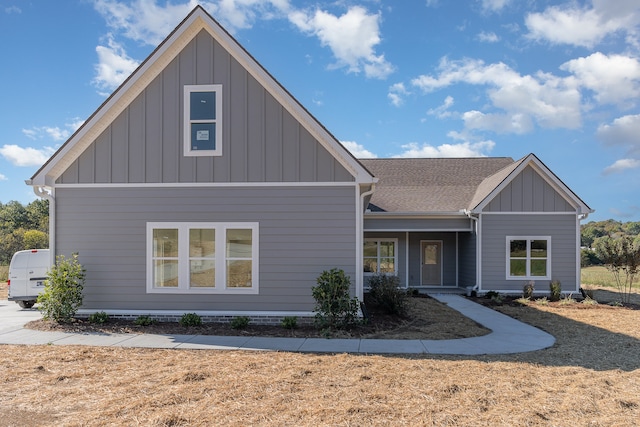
<point x="464" y="149"/>
<point x="113" y="67"/>
<point x="12" y="9"/>
<point x="351" y="37"/>
<point x="358" y="150"/>
<point x="490" y="37"/>
<point x="615" y="79"/>
<point x="584" y="26"/>
<point x="54" y="133"/>
<point x="494" y="5"/>
<point x="621" y="165"/>
<point x="396" y="94"/>
<point x="3" y="178"/>
<point x="442" y="111"/>
<point x="623" y="131"/>
<point x="550" y="101"/>
<point x="20" y="156"/>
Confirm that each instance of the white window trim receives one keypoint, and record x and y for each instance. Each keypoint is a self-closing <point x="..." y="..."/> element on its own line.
<point x="528" y="276"/>
<point x="187" y="120"/>
<point x="395" y="254"/>
<point x="220" y="259"/>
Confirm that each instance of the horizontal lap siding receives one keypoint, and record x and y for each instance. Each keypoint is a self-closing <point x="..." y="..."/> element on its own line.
<point x="561" y="228"/>
<point x="409" y="224"/>
<point x="302" y="231"/>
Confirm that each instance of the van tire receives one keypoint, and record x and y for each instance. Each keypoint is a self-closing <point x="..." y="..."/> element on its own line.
<point x="26" y="304"/>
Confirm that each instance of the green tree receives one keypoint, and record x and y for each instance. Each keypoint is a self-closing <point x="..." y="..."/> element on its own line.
<point x="621" y="256"/>
<point x="38" y="215"/>
<point x="35" y="239"/>
<point x="13" y="216"/>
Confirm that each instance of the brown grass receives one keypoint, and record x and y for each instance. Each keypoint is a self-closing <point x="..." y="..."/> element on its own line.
<point x="3" y="291"/>
<point x="590" y="377"/>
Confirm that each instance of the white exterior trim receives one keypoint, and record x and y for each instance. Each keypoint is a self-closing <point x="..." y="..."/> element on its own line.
<point x="395" y="253"/>
<point x="220" y="258"/>
<point x="187" y="121"/>
<point x="529" y="213"/>
<point x="508" y="239"/>
<point x="417" y="230"/>
<point x="207" y="184"/>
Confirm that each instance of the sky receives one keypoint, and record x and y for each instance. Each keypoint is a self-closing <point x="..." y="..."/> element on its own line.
<point x="388" y="78"/>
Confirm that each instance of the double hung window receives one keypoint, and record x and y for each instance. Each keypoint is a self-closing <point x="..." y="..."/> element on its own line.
<point x="528" y="257"/>
<point x="202" y="257"/>
<point x="203" y="120"/>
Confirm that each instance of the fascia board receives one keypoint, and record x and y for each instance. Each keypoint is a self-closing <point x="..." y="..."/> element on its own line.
<point x="547" y="175"/>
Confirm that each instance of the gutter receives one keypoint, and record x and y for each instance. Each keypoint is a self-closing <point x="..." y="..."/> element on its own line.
<point x="45" y="192"/>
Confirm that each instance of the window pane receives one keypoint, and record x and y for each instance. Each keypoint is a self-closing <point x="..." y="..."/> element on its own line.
<point x="386" y="249"/>
<point x="370" y="265"/>
<point x="387" y="265"/>
<point x="202" y="273"/>
<point x="518" y="249"/>
<point x="238" y="243"/>
<point x="538" y="248"/>
<point x="539" y="267"/>
<point x="431" y="254"/>
<point x="518" y="267"/>
<point x="165" y="273"/>
<point x="165" y="242"/>
<point x="202" y="242"/>
<point x="203" y="106"/>
<point x="370" y="249"/>
<point x="239" y="274"/>
<point x="203" y="136"/>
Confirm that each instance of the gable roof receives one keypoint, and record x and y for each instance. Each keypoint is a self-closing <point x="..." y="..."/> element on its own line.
<point x="493" y="185"/>
<point x="151" y="67"/>
<point x="429" y="185"/>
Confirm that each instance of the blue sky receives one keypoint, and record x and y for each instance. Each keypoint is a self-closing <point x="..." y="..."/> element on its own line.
<point x="419" y="78"/>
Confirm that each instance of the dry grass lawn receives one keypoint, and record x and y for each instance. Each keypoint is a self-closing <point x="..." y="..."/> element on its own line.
<point x="590" y="377"/>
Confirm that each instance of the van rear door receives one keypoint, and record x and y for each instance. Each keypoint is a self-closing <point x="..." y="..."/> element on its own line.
<point x="37" y="267"/>
<point x="18" y="274"/>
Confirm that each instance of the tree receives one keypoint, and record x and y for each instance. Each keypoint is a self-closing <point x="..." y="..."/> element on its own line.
<point x="621" y="256"/>
<point x="35" y="239"/>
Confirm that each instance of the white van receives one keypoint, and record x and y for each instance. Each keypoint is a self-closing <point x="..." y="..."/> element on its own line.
<point x="27" y="274"/>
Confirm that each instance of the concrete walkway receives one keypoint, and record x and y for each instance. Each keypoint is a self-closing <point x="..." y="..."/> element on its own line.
<point x="508" y="336"/>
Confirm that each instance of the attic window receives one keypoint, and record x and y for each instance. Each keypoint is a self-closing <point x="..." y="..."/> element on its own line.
<point x="203" y="120"/>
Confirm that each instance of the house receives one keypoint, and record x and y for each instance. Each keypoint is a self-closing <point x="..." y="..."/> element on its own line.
<point x="201" y="185"/>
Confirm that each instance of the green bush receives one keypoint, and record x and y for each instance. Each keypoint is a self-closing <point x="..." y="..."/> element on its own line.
<point x="99" y="317"/>
<point x="240" y="322"/>
<point x="334" y="309"/>
<point x="62" y="295"/>
<point x="289" y="322"/>
<point x="190" y="319"/>
<point x="555" y="290"/>
<point x="144" y="320"/>
<point x="386" y="294"/>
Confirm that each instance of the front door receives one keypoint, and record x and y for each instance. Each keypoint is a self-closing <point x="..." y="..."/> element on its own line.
<point x="431" y="270"/>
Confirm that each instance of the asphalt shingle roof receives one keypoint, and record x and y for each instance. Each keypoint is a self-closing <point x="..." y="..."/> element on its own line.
<point x="434" y="185"/>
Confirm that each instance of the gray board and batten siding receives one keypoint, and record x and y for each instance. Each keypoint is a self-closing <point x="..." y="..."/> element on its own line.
<point x="529" y="192"/>
<point x="262" y="141"/>
<point x="302" y="231"/>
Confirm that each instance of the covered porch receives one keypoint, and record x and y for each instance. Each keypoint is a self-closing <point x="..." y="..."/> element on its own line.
<point x="425" y="253"/>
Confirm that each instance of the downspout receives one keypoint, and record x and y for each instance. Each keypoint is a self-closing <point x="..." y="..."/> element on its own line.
<point x="475" y="220"/>
<point x="41" y="191"/>
<point x="359" y="244"/>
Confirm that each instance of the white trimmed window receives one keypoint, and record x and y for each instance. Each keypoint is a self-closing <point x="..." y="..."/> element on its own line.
<point x="203" y="120"/>
<point x="380" y="256"/>
<point x="528" y="257"/>
<point x="202" y="257"/>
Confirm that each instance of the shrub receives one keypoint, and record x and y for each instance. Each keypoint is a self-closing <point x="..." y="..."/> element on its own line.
<point x="542" y="301"/>
<point x="589" y="301"/>
<point x="240" y="322"/>
<point x="190" y="319"/>
<point x="99" y="317"/>
<point x="334" y="308"/>
<point x="528" y="288"/>
<point x="385" y="293"/>
<point x="144" y="320"/>
<point x="289" y="322"/>
<point x="567" y="300"/>
<point x="555" y="290"/>
<point x="62" y="295"/>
